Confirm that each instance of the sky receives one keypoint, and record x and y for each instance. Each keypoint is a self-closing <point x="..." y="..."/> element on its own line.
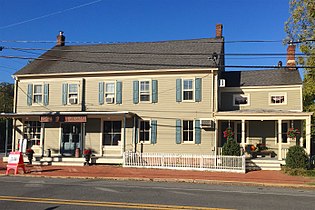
<point x="36" y="23"/>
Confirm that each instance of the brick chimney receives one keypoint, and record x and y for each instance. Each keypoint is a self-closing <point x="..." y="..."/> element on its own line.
<point x="291" y="57"/>
<point x="218" y="30"/>
<point x="61" y="39"/>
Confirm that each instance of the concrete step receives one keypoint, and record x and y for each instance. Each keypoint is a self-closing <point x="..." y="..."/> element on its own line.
<point x="261" y="164"/>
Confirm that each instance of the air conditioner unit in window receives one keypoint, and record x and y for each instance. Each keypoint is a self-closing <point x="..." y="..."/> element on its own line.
<point x="222" y="82"/>
<point x="73" y="100"/>
<point x="206" y="123"/>
<point x="110" y="100"/>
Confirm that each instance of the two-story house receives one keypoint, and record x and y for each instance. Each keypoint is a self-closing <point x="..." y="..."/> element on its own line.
<point x="112" y="98"/>
<point x="159" y="97"/>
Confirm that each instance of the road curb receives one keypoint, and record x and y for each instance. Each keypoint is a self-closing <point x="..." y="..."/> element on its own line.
<point x="197" y="181"/>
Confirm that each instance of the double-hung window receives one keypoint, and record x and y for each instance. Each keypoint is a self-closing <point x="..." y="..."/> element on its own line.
<point x="73" y="93"/>
<point x="110" y="92"/>
<point x="144" y="131"/>
<point x="188" y="131"/>
<point x="188" y="89"/>
<point x="144" y="91"/>
<point x="38" y="94"/>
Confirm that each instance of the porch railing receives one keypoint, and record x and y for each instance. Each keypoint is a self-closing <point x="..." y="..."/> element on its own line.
<point x="185" y="162"/>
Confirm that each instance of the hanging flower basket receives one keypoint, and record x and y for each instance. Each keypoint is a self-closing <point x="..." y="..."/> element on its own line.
<point x="293" y="132"/>
<point x="228" y="133"/>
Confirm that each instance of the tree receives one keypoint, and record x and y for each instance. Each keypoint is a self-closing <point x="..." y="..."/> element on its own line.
<point x="300" y="28"/>
<point x="6" y="97"/>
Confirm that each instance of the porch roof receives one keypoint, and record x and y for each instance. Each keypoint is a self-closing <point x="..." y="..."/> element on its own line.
<point x="262" y="114"/>
<point x="35" y="114"/>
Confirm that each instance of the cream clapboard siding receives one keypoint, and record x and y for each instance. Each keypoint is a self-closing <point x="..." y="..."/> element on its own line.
<point x="55" y="95"/>
<point x="93" y="135"/>
<point x="260" y="98"/>
<point x="166" y="111"/>
<point x="52" y="137"/>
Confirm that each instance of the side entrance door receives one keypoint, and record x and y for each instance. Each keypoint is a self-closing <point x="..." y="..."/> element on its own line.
<point x="71" y="138"/>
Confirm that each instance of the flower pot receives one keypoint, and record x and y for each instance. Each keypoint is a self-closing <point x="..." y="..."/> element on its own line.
<point x="30" y="157"/>
<point x="87" y="159"/>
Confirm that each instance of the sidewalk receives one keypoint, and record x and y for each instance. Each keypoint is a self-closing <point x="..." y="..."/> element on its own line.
<point x="258" y="178"/>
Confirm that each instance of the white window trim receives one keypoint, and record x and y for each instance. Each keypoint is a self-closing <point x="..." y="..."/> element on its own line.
<point x="78" y="93"/>
<point x="150" y="90"/>
<point x="114" y="93"/>
<point x="41" y="133"/>
<point x="278" y="94"/>
<point x="182" y="130"/>
<point x="149" y="141"/>
<point x="243" y="95"/>
<point x="193" y="89"/>
<point x="42" y="94"/>
<point x="276" y="133"/>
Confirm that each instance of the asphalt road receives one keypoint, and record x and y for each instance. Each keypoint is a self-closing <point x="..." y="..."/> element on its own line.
<point x="50" y="193"/>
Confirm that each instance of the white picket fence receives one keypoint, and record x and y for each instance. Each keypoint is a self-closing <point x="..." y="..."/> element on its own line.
<point x="185" y="162"/>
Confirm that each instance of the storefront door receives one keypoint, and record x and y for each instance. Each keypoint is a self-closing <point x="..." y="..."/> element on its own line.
<point x="71" y="138"/>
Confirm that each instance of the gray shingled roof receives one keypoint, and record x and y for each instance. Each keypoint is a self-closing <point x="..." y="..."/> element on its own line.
<point x="182" y="54"/>
<point x="261" y="77"/>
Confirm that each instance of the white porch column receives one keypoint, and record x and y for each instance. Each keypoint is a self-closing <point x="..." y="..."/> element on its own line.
<point x="279" y="139"/>
<point x="308" y="135"/>
<point x="243" y="134"/>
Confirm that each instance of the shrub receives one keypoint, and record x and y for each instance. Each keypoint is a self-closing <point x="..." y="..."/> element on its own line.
<point x="231" y="148"/>
<point x="296" y="158"/>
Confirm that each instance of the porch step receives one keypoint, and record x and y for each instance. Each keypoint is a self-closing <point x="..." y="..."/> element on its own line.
<point x="263" y="164"/>
<point x="116" y="159"/>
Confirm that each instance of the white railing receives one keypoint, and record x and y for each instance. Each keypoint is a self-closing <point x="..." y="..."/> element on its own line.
<point x="284" y="152"/>
<point x="185" y="161"/>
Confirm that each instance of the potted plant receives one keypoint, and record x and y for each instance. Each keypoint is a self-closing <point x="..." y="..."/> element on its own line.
<point x="30" y="153"/>
<point x="87" y="155"/>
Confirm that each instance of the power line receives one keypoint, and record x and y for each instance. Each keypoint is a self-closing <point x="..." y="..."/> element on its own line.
<point x="50" y="14"/>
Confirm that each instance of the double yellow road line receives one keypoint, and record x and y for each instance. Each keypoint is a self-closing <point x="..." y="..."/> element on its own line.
<point x="99" y="203"/>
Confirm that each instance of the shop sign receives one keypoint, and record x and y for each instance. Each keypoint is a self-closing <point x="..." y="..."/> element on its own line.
<point x="48" y="119"/>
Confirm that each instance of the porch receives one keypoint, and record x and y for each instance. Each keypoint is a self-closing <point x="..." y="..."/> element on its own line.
<point x="265" y="127"/>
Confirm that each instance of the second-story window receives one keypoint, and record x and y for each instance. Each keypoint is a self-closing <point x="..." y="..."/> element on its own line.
<point x="73" y="93"/>
<point x="188" y="89"/>
<point x="38" y="94"/>
<point x="144" y="91"/>
<point x="277" y="98"/>
<point x="240" y="99"/>
<point x="110" y="92"/>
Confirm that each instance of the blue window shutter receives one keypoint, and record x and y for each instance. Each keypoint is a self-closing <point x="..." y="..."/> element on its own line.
<point x="101" y="93"/>
<point x="64" y="93"/>
<point x="198" y="90"/>
<point x="178" y="90"/>
<point x="197" y="132"/>
<point x="153" y="131"/>
<point x="178" y="131"/>
<point x="118" y="92"/>
<point x="46" y="94"/>
<point x="29" y="94"/>
<point x="154" y="91"/>
<point x="135" y="92"/>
